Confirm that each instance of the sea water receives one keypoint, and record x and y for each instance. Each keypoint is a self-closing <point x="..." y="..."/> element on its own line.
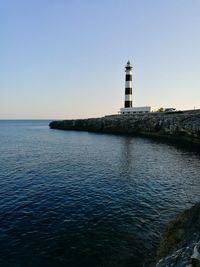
<point x="72" y="198"/>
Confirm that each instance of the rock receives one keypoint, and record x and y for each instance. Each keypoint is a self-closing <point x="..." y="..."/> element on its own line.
<point x="196" y="252"/>
<point x="180" y="244"/>
<point x="180" y="126"/>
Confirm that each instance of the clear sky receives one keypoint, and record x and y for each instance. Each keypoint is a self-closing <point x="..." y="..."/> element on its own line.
<point x="65" y="58"/>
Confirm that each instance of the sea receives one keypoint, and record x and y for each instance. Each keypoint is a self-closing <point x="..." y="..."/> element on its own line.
<point x="80" y="199"/>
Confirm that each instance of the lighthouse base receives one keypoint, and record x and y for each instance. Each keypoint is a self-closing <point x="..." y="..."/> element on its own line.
<point x="133" y="110"/>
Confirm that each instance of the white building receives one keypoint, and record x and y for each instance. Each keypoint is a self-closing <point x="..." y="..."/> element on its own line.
<point x="132" y="110"/>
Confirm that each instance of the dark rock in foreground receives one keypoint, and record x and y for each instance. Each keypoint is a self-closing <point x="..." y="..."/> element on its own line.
<point x="180" y="245"/>
<point x="182" y="125"/>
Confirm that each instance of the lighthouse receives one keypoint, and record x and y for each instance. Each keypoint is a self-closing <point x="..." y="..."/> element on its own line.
<point x="128" y="86"/>
<point x="128" y="108"/>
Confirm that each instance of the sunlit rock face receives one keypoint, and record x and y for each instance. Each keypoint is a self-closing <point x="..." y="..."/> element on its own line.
<point x="180" y="244"/>
<point x="183" y="126"/>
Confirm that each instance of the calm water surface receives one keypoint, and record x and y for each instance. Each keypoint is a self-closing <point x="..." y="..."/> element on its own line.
<point x="84" y="199"/>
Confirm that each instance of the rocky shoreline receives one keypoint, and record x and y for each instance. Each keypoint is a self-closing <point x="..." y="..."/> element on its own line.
<point x="181" y="126"/>
<point x="180" y="244"/>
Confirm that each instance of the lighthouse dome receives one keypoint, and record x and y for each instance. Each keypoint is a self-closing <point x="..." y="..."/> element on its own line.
<point x="128" y="65"/>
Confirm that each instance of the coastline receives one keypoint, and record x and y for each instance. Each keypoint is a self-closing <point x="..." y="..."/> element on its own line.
<point x="181" y="126"/>
<point x="182" y="235"/>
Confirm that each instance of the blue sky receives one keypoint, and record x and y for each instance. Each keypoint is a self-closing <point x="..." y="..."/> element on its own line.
<point x="65" y="58"/>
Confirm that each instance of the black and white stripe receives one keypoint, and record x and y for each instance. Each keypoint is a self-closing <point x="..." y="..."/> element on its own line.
<point x="128" y="86"/>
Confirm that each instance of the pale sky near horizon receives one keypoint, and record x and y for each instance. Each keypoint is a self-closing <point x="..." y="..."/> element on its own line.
<point x="65" y="58"/>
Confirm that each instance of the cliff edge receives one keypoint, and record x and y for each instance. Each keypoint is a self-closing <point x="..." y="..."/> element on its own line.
<point x="181" y="125"/>
<point x="180" y="244"/>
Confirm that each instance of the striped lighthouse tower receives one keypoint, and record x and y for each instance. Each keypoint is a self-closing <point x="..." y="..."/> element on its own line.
<point x="128" y="86"/>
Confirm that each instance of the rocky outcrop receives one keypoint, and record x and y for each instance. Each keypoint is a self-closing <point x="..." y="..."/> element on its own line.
<point x="180" y="244"/>
<point x="182" y="125"/>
